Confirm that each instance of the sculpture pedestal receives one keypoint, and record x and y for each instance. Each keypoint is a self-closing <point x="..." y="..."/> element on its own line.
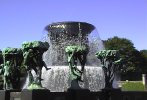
<point x="4" y="95"/>
<point x="111" y="94"/>
<point x="36" y="94"/>
<point x="78" y="94"/>
<point x="10" y="94"/>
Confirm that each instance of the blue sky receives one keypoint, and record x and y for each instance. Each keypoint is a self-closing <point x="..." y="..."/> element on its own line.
<point x="24" y="20"/>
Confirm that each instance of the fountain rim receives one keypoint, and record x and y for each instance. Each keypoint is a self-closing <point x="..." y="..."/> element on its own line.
<point x="69" y="22"/>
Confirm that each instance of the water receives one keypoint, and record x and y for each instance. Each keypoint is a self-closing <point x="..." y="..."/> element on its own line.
<point x="57" y="78"/>
<point x="63" y="34"/>
<point x="56" y="55"/>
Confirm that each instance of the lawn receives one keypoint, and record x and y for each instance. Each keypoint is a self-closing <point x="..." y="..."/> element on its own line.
<point x="133" y="86"/>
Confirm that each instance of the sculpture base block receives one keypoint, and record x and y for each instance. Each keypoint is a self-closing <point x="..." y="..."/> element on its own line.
<point x="9" y="94"/>
<point x="111" y="94"/>
<point x="82" y="94"/>
<point x="36" y="94"/>
<point x="78" y="94"/>
<point x="3" y="95"/>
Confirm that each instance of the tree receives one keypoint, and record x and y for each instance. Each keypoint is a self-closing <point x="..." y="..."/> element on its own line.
<point x="118" y="44"/>
<point x="1" y="57"/>
<point x="144" y="60"/>
<point x="144" y="53"/>
<point x="132" y="58"/>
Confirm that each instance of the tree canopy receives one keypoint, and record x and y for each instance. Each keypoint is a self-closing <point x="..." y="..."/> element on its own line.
<point x="144" y="53"/>
<point x="1" y="57"/>
<point x="133" y="60"/>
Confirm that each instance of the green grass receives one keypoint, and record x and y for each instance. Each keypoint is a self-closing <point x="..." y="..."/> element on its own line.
<point x="133" y="86"/>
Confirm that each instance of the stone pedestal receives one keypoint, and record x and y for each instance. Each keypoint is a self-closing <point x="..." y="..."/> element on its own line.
<point x="3" y="95"/>
<point x="15" y="95"/>
<point x="111" y="94"/>
<point x="36" y="94"/>
<point x="78" y="94"/>
<point x="9" y="94"/>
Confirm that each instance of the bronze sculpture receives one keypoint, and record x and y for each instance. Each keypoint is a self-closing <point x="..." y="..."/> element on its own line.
<point x="110" y="61"/>
<point x="74" y="54"/>
<point x="12" y="60"/>
<point x="32" y="53"/>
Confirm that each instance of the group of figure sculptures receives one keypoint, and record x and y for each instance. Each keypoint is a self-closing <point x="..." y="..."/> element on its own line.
<point x="30" y="56"/>
<point x="11" y="59"/>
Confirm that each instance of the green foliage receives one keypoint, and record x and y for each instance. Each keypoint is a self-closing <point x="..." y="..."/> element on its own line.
<point x="117" y="43"/>
<point x="133" y="86"/>
<point x="144" y="53"/>
<point x="144" y="60"/>
<point x="132" y="59"/>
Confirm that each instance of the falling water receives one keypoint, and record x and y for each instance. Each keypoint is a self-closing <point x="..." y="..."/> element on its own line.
<point x="64" y="34"/>
<point x="72" y="33"/>
<point x="57" y="79"/>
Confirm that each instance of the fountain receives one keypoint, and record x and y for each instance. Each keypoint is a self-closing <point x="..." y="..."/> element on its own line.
<point x="61" y="35"/>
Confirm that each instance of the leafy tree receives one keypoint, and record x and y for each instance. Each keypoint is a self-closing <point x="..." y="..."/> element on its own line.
<point x="1" y="57"/>
<point x="118" y="44"/>
<point x="132" y="58"/>
<point x="144" y="60"/>
<point x="144" y="53"/>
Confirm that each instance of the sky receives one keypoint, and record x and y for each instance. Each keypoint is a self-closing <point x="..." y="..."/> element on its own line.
<point x="25" y="20"/>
